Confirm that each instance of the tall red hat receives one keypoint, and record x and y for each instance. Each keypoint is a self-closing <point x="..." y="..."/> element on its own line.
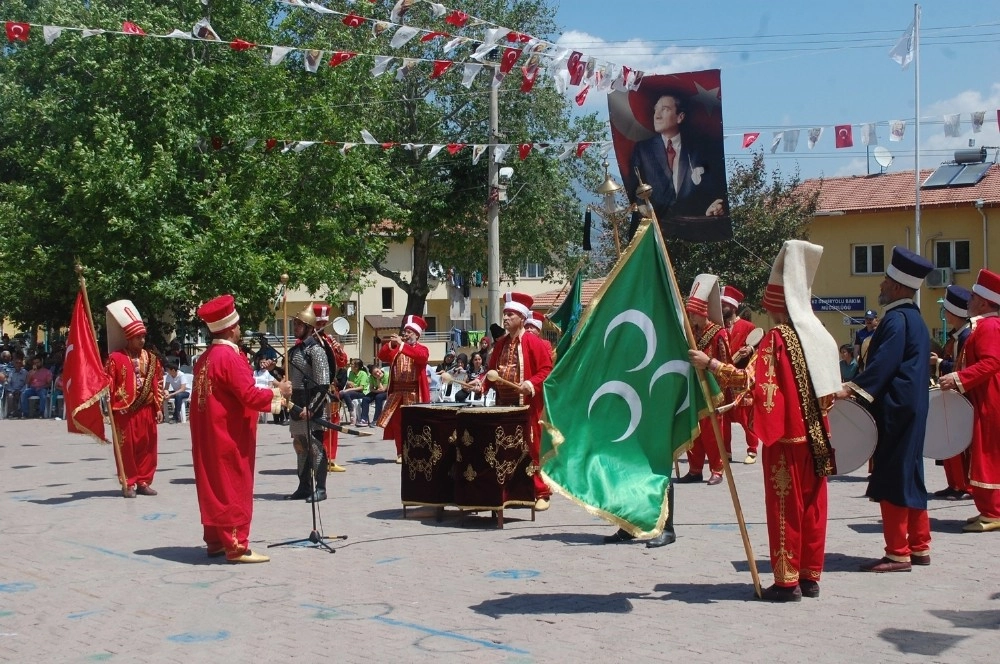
<point x="988" y="286"/>
<point x="322" y="312"/>
<point x="219" y="314"/>
<point x="537" y="320"/>
<point x="518" y="303"/>
<point x="732" y="295"/>
<point x="415" y="323"/>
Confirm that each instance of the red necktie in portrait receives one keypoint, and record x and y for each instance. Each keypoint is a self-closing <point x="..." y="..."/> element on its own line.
<point x="671" y="155"/>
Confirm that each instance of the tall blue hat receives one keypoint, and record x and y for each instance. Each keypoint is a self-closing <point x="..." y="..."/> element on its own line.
<point x="908" y="268"/>
<point x="956" y="300"/>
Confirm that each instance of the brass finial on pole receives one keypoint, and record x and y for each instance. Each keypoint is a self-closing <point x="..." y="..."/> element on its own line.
<point x="645" y="192"/>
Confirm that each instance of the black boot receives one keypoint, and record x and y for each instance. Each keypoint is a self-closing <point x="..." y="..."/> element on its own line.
<point x="303" y="490"/>
<point x="668" y="536"/>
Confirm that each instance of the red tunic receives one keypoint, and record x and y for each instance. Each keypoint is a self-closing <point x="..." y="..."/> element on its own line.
<point x="714" y="342"/>
<point x="224" y="406"/>
<point x="407" y="385"/>
<point x="979" y="380"/>
<point x="135" y="400"/>
<point x="331" y="437"/>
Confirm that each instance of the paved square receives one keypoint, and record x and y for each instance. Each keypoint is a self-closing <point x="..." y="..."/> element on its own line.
<point x="86" y="575"/>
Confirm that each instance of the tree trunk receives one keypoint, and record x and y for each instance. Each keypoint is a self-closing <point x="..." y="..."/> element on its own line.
<point x="416" y="294"/>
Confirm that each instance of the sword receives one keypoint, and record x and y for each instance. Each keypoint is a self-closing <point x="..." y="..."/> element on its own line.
<point x="325" y="423"/>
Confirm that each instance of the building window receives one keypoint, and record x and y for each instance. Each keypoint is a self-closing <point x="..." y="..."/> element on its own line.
<point x="387" y="298"/>
<point x="869" y="259"/>
<point x="953" y="254"/>
<point x="533" y="271"/>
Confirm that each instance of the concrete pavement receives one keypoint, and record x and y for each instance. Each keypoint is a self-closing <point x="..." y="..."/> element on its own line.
<point x="86" y="575"/>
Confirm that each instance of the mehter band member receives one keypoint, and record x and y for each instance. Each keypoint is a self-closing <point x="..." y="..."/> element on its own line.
<point x="406" y="358"/>
<point x="223" y="414"/>
<point x="136" y="401"/>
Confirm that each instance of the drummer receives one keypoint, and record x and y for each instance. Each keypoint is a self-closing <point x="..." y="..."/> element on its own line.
<point x="894" y="385"/>
<point x="956" y="314"/>
<point x="792" y="379"/>
<point x="522" y="359"/>
<point x="978" y="377"/>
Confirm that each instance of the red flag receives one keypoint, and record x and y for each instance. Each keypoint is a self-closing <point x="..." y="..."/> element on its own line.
<point x="440" y="67"/>
<point x="241" y="45"/>
<point x="581" y="147"/>
<point x="270" y="144"/>
<point x="433" y="35"/>
<point x="524" y="150"/>
<point x="576" y="68"/>
<point x="457" y="18"/>
<point x="84" y="379"/>
<point x="845" y="137"/>
<point x="17" y="31"/>
<point x="510" y="56"/>
<point x="455" y="148"/>
<point x="130" y="28"/>
<point x="530" y="75"/>
<point x="340" y="57"/>
<point x="513" y="36"/>
<point x="353" y="20"/>
<point x="749" y="138"/>
<point x="581" y="96"/>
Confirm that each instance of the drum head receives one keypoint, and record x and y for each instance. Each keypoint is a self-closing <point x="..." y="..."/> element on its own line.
<point x="949" y="425"/>
<point x="755" y="336"/>
<point x="852" y="434"/>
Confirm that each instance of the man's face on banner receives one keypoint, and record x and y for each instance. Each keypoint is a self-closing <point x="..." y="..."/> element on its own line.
<point x="666" y="119"/>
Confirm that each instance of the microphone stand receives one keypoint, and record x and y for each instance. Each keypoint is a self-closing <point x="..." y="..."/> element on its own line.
<point x="315" y="535"/>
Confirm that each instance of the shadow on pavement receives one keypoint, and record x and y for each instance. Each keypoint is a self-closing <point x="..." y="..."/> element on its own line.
<point x="571" y="538"/>
<point x="182" y="480"/>
<point x="280" y="471"/>
<point x="564" y="603"/>
<point x="189" y="555"/>
<point x="846" y="478"/>
<point x="841" y="562"/>
<point x="969" y="619"/>
<point x="79" y="495"/>
<point x="866" y="528"/>
<point x="706" y="593"/>
<point x="947" y="525"/>
<point x="916" y="642"/>
<point x="371" y="461"/>
<point x="763" y="566"/>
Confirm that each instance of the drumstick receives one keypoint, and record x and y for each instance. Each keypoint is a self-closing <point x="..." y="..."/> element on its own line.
<point x="448" y="378"/>
<point x="493" y="376"/>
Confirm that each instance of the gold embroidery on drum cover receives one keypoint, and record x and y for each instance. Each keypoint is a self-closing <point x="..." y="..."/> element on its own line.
<point x="423" y="439"/>
<point x="469" y="474"/>
<point x="498" y="452"/>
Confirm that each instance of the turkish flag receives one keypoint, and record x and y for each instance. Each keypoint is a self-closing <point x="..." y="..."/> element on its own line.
<point x="530" y="75"/>
<point x="84" y="379"/>
<point x="17" y="31"/>
<point x="241" y="45"/>
<point x="581" y="147"/>
<point x="576" y="68"/>
<point x="440" y="67"/>
<point x="353" y="20"/>
<point x="340" y="57"/>
<point x="130" y="28"/>
<point x="845" y="138"/>
<point x="750" y="138"/>
<point x="270" y="144"/>
<point x="457" y="18"/>
<point x="524" y="150"/>
<point x="581" y="96"/>
<point x="455" y="148"/>
<point x="433" y="35"/>
<point x="510" y="56"/>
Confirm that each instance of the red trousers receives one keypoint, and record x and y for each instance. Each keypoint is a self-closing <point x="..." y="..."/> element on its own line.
<point x="331" y="437"/>
<point x="137" y="435"/>
<point x="742" y="416"/>
<point x="907" y="532"/>
<point x="956" y="471"/>
<point x="234" y="540"/>
<point x="987" y="502"/>
<point x="706" y="445"/>
<point x="795" y="499"/>
<point x="542" y="489"/>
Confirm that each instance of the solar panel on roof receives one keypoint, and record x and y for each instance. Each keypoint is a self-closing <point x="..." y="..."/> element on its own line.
<point x="972" y="174"/>
<point x="943" y="176"/>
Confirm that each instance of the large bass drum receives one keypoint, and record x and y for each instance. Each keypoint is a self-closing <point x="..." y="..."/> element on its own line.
<point x="852" y="435"/>
<point x="949" y="425"/>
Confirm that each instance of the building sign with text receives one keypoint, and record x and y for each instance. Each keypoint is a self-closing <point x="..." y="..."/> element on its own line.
<point x="839" y="303"/>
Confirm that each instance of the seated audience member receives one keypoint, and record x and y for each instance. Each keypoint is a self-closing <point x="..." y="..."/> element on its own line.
<point x="39" y="382"/>
<point x="174" y="351"/>
<point x="357" y="386"/>
<point x="848" y="365"/>
<point x="475" y="376"/>
<point x="17" y="381"/>
<point x="175" y="386"/>
<point x="377" y="390"/>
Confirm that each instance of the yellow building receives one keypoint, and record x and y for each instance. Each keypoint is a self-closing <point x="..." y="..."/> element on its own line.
<point x="859" y="219"/>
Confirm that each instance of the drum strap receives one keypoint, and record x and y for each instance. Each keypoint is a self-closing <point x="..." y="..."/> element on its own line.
<point x="816" y="433"/>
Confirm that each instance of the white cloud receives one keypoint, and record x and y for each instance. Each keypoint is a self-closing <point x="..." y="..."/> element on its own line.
<point x="939" y="147"/>
<point x="856" y="166"/>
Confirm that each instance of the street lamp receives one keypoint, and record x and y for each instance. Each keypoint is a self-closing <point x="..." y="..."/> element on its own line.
<point x="611" y="213"/>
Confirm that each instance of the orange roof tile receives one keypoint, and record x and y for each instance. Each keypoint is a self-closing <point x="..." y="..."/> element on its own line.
<point x="550" y="300"/>
<point x="894" y="191"/>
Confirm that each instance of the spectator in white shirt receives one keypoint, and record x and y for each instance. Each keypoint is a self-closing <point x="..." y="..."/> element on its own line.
<point x="176" y="386"/>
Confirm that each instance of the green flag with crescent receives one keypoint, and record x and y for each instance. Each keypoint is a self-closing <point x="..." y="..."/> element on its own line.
<point x="624" y="402"/>
<point x="568" y="315"/>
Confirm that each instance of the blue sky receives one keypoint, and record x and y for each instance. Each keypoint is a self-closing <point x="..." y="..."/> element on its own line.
<point x="799" y="64"/>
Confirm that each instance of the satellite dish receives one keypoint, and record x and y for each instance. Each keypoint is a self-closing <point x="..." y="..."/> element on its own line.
<point x="882" y="156"/>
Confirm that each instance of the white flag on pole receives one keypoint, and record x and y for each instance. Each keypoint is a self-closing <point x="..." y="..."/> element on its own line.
<point x="902" y="52"/>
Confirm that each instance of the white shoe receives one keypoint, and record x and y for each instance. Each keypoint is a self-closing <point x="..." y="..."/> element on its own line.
<point x="541" y="504"/>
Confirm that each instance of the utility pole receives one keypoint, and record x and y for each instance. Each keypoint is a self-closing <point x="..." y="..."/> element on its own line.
<point x="493" y="215"/>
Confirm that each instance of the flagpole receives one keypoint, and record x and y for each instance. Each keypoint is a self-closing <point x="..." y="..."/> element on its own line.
<point x="916" y="135"/>
<point x="115" y="442"/>
<point x="644" y="192"/>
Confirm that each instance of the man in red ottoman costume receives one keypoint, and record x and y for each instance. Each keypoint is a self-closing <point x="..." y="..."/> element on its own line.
<point x="407" y="362"/>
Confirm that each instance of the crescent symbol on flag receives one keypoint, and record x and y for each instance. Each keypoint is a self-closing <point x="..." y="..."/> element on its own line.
<point x="842" y="133"/>
<point x="679" y="367"/>
<point x="645" y="325"/>
<point x="16" y="30"/>
<point x="631" y="397"/>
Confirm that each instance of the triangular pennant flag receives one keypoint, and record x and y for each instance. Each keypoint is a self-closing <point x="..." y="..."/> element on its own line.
<point x="575" y="67"/>
<point x="288" y="146"/>
<point x="345" y="147"/>
<point x="433" y="152"/>
<point x="204" y="30"/>
<point x="750" y="138"/>
<point x="457" y="19"/>
<point x="978" y="118"/>
<point x="93" y="32"/>
<point x="17" y="31"/>
<point x="389" y="145"/>
<point x="953" y="125"/>
<point x="844" y="136"/>
<point x="130" y="28"/>
<point x="51" y="33"/>
<point x="278" y="54"/>
<point x="896" y="130"/>
<point x="453" y="44"/>
<point x="340" y="57"/>
<point x="510" y="56"/>
<point x="814" y="135"/>
<point x="581" y="96"/>
<point x="367" y="137"/>
<point x="241" y="45"/>
<point x="440" y="67"/>
<point x="606" y="148"/>
<point x="178" y="34"/>
<point x="568" y="149"/>
<point x="776" y="140"/>
<point x="249" y="144"/>
<point x="790" y="140"/>
<point x="621" y="81"/>
<point x="270" y="144"/>
<point x="433" y="35"/>
<point x="455" y="148"/>
<point x="302" y="145"/>
<point x="868" y="136"/>
<point x="581" y="148"/>
<point x="409" y="64"/>
<point x="500" y="152"/>
<point x="472" y="69"/>
<point x="561" y="80"/>
<point x="498" y="77"/>
<point x="382" y="62"/>
<point x="477" y="152"/>
<point x="378" y="27"/>
<point x="402" y="36"/>
<point x="312" y="59"/>
<point x="530" y="74"/>
<point x="399" y="9"/>
<point x="315" y="6"/>
<point x="438" y="9"/>
<point x="482" y="51"/>
<point x="352" y="20"/>
<point x="523" y="150"/>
